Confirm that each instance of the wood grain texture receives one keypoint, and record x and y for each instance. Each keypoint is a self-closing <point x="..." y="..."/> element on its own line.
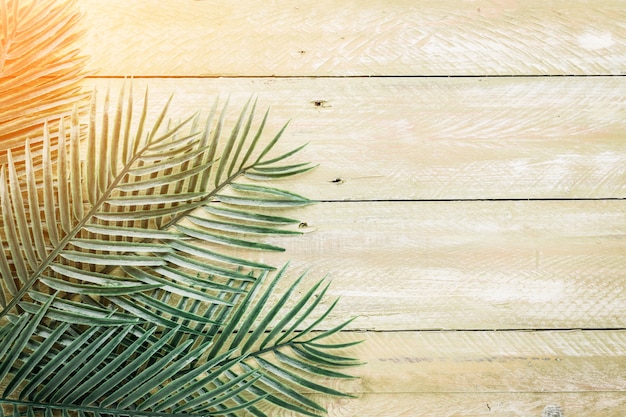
<point x="423" y="138"/>
<point x="479" y="362"/>
<point x="377" y="37"/>
<point x="476" y="404"/>
<point x="486" y="373"/>
<point x="396" y="155"/>
<point x="467" y="265"/>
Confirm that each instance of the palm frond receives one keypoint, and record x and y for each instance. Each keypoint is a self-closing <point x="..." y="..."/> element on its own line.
<point x="112" y="370"/>
<point x="129" y="280"/>
<point x="124" y="369"/>
<point x="131" y="212"/>
<point x="274" y="343"/>
<point x="40" y="69"/>
<point x="142" y="236"/>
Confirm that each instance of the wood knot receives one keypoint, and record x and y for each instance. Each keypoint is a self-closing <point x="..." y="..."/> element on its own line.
<point x="321" y="104"/>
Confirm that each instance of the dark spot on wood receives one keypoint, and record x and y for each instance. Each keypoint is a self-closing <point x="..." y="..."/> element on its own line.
<point x="338" y="181"/>
<point x="303" y="225"/>
<point x="302" y="52"/>
<point x="321" y="104"/>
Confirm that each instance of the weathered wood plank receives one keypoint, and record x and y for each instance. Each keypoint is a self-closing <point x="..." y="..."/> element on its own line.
<point x="323" y="38"/>
<point x="485" y="373"/>
<point x="414" y="138"/>
<point x="480" y="362"/>
<point x="501" y="404"/>
<point x="467" y="265"/>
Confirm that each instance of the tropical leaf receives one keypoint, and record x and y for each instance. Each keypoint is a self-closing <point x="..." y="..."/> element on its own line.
<point x="142" y="235"/>
<point x="112" y="370"/>
<point x="129" y="278"/>
<point x="124" y="369"/>
<point x="134" y="205"/>
<point x="287" y="356"/>
<point x="40" y="68"/>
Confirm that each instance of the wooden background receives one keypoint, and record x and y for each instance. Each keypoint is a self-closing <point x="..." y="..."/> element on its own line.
<point x="471" y="186"/>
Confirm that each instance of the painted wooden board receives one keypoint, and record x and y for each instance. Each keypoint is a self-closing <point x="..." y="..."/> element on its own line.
<point x="610" y="404"/>
<point x="466" y="265"/>
<point x="409" y="266"/>
<point x="424" y="138"/>
<point x="479" y="362"/>
<point x="485" y="373"/>
<point x="376" y="37"/>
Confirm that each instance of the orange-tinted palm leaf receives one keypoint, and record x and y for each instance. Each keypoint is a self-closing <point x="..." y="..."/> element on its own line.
<point x="40" y="68"/>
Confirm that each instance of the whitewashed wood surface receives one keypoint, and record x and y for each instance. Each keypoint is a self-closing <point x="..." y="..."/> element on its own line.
<point x="475" y="225"/>
<point x="429" y="139"/>
<point x="356" y="38"/>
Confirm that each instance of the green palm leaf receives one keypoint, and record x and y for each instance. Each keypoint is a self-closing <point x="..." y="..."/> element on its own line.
<point x="84" y="375"/>
<point x="127" y="219"/>
<point x="129" y="284"/>
<point x="275" y="351"/>
<point x="136" y="236"/>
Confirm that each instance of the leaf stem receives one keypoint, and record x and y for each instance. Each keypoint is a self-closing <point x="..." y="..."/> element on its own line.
<point x="207" y="197"/>
<point x="72" y="234"/>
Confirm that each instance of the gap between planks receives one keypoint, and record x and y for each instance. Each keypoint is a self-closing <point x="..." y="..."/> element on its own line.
<point x="343" y="77"/>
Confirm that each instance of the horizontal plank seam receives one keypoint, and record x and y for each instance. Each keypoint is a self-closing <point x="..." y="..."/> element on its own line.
<point x="526" y="330"/>
<point x="556" y="329"/>
<point x="485" y="392"/>
<point x="447" y="200"/>
<point x="217" y="76"/>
